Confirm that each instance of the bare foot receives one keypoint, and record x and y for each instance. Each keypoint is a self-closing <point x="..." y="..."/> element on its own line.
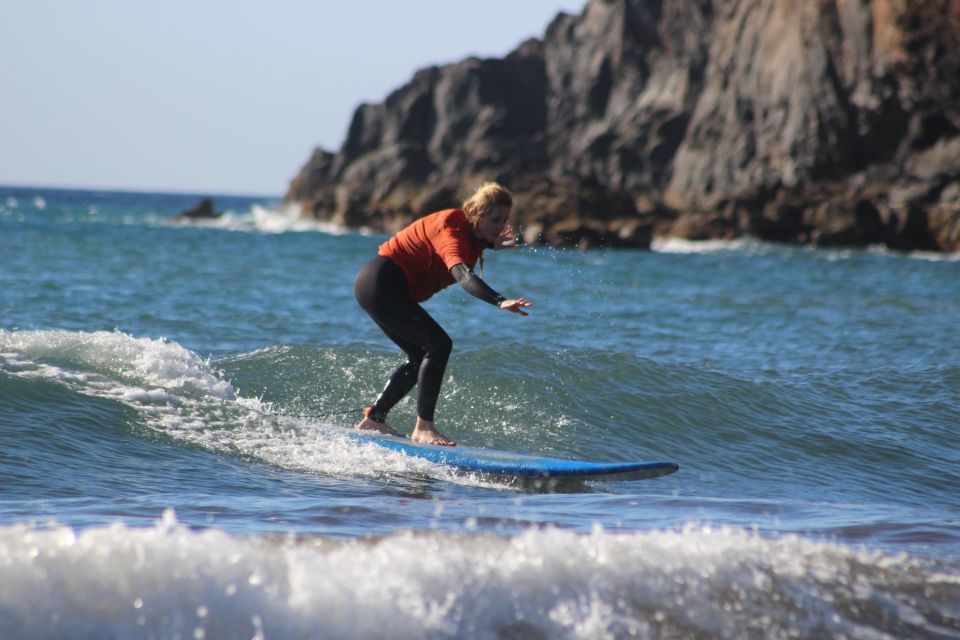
<point x="372" y="425"/>
<point x="426" y="433"/>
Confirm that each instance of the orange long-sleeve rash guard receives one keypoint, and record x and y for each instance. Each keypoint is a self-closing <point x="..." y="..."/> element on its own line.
<point x="429" y="247"/>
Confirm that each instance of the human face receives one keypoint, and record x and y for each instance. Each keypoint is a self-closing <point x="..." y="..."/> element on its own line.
<point x="490" y="226"/>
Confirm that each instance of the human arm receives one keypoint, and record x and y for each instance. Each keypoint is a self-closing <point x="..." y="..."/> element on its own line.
<point x="480" y="289"/>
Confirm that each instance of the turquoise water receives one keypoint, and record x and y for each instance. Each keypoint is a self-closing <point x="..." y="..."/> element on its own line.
<point x="173" y="400"/>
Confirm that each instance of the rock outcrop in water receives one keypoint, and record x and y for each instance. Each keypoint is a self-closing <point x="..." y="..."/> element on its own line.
<point x="832" y="122"/>
<point x="203" y="210"/>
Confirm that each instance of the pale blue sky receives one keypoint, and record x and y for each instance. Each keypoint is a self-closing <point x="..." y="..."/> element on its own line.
<point x="217" y="96"/>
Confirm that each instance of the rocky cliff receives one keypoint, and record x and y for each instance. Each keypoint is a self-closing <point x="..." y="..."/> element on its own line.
<point x="833" y="122"/>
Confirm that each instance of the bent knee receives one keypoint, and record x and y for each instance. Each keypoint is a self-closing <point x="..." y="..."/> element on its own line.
<point x="441" y="347"/>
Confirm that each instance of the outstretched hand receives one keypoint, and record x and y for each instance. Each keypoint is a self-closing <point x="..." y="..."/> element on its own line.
<point x="516" y="305"/>
<point x="506" y="240"/>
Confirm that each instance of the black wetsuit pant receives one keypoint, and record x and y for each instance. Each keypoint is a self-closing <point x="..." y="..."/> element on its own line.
<point x="381" y="289"/>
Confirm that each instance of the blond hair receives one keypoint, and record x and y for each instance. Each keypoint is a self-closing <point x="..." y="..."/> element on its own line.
<point x="488" y="197"/>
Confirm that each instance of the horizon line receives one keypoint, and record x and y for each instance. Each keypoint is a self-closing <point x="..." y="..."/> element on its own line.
<point x="141" y="190"/>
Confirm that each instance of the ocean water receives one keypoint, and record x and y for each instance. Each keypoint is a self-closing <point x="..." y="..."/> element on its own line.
<point x="174" y="401"/>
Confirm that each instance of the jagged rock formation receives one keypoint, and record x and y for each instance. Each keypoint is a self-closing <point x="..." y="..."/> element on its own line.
<point x="834" y="122"/>
<point x="203" y="210"/>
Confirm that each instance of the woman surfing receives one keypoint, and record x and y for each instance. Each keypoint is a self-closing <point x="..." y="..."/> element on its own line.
<point x="427" y="256"/>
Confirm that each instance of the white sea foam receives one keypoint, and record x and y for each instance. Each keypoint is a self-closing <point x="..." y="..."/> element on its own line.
<point x="682" y="245"/>
<point x="282" y="219"/>
<point x="170" y="581"/>
<point x="753" y="246"/>
<point x="150" y="363"/>
<point x="179" y="395"/>
<point x="931" y="256"/>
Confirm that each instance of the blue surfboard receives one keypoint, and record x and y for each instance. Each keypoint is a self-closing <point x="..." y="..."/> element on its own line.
<point x="518" y="465"/>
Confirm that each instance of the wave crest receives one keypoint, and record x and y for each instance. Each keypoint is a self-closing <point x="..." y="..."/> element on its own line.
<point x="695" y="582"/>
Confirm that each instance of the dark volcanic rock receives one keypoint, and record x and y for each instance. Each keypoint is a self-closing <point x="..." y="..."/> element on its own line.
<point x="443" y="130"/>
<point x="203" y="209"/>
<point x="835" y="122"/>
